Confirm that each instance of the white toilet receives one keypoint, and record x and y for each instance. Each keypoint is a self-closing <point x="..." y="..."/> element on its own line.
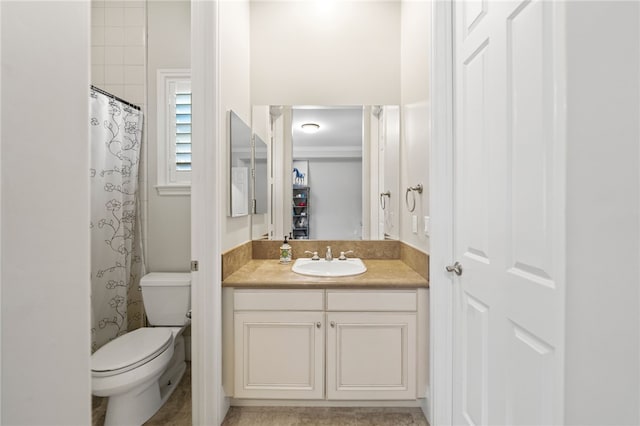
<point x="139" y="370"/>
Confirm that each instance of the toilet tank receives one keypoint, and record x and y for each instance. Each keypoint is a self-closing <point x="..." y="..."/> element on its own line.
<point x="166" y="297"/>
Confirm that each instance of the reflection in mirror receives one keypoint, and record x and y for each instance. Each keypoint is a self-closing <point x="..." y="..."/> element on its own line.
<point x="260" y="181"/>
<point x="328" y="142"/>
<point x="330" y="166"/>
<point x="240" y="166"/>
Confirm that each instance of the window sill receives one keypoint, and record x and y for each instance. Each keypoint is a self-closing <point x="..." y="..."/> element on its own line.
<point x="174" y="189"/>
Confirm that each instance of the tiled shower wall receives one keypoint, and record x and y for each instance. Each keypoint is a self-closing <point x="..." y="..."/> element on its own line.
<point x="118" y="66"/>
<point x="118" y="56"/>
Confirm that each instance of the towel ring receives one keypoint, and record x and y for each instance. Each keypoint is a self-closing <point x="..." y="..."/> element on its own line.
<point x="383" y="204"/>
<point x="412" y="190"/>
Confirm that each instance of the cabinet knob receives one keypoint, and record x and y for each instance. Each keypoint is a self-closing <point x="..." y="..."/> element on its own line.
<point x="333" y="324"/>
<point x="318" y="324"/>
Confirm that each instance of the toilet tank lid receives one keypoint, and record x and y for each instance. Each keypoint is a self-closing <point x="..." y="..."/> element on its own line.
<point x="166" y="279"/>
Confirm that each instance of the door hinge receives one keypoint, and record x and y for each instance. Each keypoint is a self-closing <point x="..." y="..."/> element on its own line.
<point x="194" y="265"/>
<point x="254" y="206"/>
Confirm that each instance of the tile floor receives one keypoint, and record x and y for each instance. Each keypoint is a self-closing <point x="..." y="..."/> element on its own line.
<point x="324" y="416"/>
<point x="177" y="412"/>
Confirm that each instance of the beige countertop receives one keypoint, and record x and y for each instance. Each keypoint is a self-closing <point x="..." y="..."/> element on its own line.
<point x="267" y="273"/>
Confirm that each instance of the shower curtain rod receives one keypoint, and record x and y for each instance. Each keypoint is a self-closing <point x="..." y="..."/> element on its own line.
<point x="99" y="90"/>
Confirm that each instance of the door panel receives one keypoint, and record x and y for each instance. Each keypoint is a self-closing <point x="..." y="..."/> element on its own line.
<point x="530" y="389"/>
<point x="530" y="110"/>
<point x="474" y="364"/>
<point x="474" y="11"/>
<point x="509" y="233"/>
<point x="476" y="161"/>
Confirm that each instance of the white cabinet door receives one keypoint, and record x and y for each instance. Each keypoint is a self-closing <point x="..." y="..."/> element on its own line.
<point x="371" y="355"/>
<point x="509" y="226"/>
<point x="279" y="355"/>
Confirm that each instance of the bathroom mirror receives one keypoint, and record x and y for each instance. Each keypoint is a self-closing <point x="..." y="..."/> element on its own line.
<point x="239" y="166"/>
<point x="328" y="175"/>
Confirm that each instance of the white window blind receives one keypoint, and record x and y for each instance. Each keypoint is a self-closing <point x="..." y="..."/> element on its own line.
<point x="174" y="132"/>
<point x="182" y="135"/>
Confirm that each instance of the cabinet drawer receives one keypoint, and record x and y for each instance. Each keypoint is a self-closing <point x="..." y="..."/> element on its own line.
<point x="374" y="300"/>
<point x="278" y="300"/>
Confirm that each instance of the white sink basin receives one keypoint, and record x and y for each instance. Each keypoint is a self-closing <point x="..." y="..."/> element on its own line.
<point x="331" y="268"/>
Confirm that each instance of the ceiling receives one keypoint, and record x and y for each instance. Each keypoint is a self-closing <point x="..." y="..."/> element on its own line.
<point x="340" y="129"/>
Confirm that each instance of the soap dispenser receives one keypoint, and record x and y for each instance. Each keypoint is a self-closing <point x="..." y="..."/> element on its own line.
<point x="285" y="251"/>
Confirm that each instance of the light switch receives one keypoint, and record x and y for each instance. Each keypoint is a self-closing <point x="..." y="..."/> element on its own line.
<point x="427" y="224"/>
<point x="414" y="224"/>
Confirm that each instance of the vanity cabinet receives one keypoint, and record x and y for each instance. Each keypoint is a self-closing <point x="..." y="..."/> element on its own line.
<point x="370" y="339"/>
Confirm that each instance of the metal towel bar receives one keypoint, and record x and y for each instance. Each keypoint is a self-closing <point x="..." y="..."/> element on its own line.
<point x="412" y="190"/>
<point x="383" y="204"/>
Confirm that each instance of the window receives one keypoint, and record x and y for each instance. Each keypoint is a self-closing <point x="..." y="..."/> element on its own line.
<point x="174" y="132"/>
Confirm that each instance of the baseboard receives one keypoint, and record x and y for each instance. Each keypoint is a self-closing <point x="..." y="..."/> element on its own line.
<point x="225" y="404"/>
<point x="426" y="408"/>
<point x="323" y="403"/>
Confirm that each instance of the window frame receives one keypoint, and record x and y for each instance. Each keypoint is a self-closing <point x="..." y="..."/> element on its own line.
<point x="170" y="181"/>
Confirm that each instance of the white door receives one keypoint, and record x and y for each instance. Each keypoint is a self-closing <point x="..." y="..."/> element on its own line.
<point x="371" y="355"/>
<point x="508" y="230"/>
<point x="279" y="355"/>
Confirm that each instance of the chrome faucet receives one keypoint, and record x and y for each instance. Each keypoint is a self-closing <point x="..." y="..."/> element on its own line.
<point x="328" y="255"/>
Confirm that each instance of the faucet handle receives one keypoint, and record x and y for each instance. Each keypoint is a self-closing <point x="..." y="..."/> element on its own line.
<point x="344" y="253"/>
<point x="314" y="254"/>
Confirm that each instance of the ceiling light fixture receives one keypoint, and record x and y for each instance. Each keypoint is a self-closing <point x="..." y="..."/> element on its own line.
<point x="310" y="127"/>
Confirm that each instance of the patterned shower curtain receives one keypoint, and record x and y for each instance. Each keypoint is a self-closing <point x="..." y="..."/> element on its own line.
<point x="116" y="264"/>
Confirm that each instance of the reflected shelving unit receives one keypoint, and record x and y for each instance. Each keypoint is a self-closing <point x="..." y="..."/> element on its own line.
<point x="300" y="214"/>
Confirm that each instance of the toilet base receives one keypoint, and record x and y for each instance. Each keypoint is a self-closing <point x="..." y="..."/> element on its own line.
<point x="175" y="370"/>
<point x="134" y="407"/>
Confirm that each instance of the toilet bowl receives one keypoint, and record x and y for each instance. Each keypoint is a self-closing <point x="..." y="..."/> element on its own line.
<point x="139" y="370"/>
<point x="127" y="370"/>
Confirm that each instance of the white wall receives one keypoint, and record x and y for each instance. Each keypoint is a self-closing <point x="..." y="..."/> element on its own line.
<point x="325" y="53"/>
<point x="168" y="236"/>
<point x="234" y="95"/>
<point x="45" y="213"/>
<point x="355" y="53"/>
<point x="415" y="118"/>
<point x="603" y="188"/>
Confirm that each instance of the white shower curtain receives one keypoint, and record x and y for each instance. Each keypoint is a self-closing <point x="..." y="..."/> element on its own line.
<point x="116" y="264"/>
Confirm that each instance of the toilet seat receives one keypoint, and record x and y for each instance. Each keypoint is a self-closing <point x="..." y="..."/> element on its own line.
<point x="130" y="351"/>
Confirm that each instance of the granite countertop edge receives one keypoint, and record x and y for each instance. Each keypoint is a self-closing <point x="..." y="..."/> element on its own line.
<point x="267" y="273"/>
